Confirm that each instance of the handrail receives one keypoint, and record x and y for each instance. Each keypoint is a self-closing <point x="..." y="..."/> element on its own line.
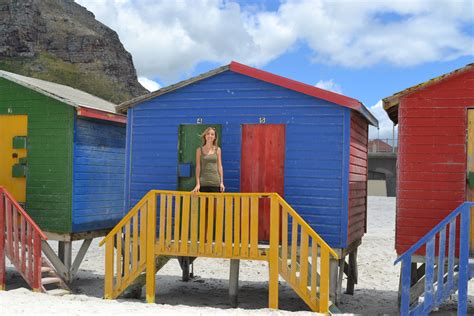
<point x="23" y="213"/>
<point x="433" y="231"/>
<point x="442" y="274"/>
<point x="304" y="258"/>
<point x="310" y="230"/>
<point x="126" y="218"/>
<point x="21" y="241"/>
<point x="218" y="225"/>
<point x="128" y="251"/>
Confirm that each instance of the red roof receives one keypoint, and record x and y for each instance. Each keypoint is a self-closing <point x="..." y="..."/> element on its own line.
<point x="267" y="77"/>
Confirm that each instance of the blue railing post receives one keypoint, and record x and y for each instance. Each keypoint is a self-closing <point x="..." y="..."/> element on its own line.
<point x="464" y="260"/>
<point x="405" y="286"/>
<point x="441" y="260"/>
<point x="452" y="246"/>
<point x="461" y="214"/>
<point x="429" y="274"/>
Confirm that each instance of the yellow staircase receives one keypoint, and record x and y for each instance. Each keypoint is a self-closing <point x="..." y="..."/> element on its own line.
<point x="218" y="225"/>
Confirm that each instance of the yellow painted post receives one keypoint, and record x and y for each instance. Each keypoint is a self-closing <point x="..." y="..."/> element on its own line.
<point x="119" y="258"/>
<point x="109" y="269"/>
<point x="161" y="238"/>
<point x="150" y="249"/>
<point x="126" y="248"/>
<point x="135" y="243"/>
<point x="143" y="232"/>
<point x="202" y="225"/>
<point x="254" y="227"/>
<point x="294" y="239"/>
<point x="304" y="262"/>
<point x="245" y="226"/>
<point x="273" y="253"/>
<point x="228" y="226"/>
<point x="236" y="225"/>
<point x="219" y="225"/>
<point x="185" y="225"/>
<point x="324" y="279"/>
<point x="169" y="218"/>
<point x="210" y="225"/>
<point x="194" y="224"/>
<point x="314" y="268"/>
<point x="284" y="242"/>
<point x="177" y="223"/>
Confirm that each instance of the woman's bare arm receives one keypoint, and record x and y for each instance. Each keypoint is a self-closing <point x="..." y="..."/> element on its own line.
<point x="198" y="171"/>
<point x="220" y="169"/>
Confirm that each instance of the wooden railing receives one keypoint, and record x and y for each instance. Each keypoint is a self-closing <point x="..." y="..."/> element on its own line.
<point x="20" y="241"/>
<point x="219" y="225"/>
<point x="444" y="274"/>
<point x="126" y="246"/>
<point x="209" y="225"/>
<point x="304" y="259"/>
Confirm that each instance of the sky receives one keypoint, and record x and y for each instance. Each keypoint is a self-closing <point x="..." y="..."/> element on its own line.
<point x="367" y="50"/>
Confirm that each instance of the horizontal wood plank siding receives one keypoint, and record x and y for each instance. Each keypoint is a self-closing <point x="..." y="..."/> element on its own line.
<point x="99" y="162"/>
<point x="313" y="153"/>
<point x="431" y="155"/>
<point x="50" y="137"/>
<point x="358" y="170"/>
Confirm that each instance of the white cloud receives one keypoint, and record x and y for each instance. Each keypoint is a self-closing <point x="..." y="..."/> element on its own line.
<point x="149" y="84"/>
<point x="385" y="130"/>
<point x="169" y="38"/>
<point x="329" y="85"/>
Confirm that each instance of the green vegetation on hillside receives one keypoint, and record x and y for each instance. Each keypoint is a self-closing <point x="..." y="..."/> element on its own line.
<point x="48" y="67"/>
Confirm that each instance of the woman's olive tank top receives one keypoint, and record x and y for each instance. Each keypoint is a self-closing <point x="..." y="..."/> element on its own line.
<point x="209" y="176"/>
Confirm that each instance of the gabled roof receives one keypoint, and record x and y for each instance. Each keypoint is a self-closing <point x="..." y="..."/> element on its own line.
<point x="390" y="104"/>
<point x="264" y="76"/>
<point x="65" y="94"/>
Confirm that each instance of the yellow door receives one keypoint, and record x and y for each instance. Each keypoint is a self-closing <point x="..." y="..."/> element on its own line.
<point x="470" y="169"/>
<point x="13" y="132"/>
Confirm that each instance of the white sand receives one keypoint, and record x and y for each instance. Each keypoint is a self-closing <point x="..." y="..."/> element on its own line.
<point x="206" y="294"/>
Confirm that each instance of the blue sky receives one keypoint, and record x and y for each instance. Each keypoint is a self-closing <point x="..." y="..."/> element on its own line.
<point x="367" y="50"/>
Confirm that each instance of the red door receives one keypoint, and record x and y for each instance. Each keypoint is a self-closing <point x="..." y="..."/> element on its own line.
<point x="262" y="166"/>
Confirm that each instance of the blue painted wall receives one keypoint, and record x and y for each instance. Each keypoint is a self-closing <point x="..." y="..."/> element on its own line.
<point x="317" y="148"/>
<point x="98" y="174"/>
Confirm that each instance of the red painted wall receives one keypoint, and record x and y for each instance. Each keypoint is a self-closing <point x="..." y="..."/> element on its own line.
<point x="431" y="155"/>
<point x="357" y="216"/>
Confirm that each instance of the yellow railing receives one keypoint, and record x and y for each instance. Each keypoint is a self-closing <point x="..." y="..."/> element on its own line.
<point x="219" y="225"/>
<point x="304" y="261"/>
<point x="126" y="247"/>
<point x="209" y="225"/>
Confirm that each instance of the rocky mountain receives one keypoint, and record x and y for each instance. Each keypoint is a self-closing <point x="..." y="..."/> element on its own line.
<point x="60" y="41"/>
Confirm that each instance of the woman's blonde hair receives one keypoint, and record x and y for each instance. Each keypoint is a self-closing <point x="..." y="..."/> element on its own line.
<point x="203" y="135"/>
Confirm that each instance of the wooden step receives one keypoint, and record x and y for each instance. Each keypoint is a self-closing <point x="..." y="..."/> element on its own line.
<point x="46" y="269"/>
<point x="58" y="292"/>
<point x="50" y="280"/>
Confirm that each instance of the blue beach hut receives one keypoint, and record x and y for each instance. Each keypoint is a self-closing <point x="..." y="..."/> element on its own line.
<point x="276" y="135"/>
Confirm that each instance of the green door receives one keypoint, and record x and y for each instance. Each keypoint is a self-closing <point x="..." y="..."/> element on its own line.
<point x="189" y="140"/>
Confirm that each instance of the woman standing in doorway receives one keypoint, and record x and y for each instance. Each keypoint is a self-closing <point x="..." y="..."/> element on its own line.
<point x="209" y="171"/>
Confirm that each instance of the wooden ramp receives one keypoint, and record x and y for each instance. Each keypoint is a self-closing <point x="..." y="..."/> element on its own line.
<point x="445" y="267"/>
<point x="21" y="242"/>
<point x="180" y="224"/>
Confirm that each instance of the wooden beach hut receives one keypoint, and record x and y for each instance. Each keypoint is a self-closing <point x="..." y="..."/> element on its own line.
<point x="62" y="158"/>
<point x="435" y="176"/>
<point x="434" y="151"/>
<point x="276" y="135"/>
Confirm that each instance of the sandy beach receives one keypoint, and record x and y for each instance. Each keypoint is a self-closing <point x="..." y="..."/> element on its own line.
<point x="206" y="293"/>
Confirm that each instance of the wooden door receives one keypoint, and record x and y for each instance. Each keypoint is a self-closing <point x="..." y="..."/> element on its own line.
<point x="470" y="170"/>
<point x="13" y="149"/>
<point x="262" y="166"/>
<point x="189" y="140"/>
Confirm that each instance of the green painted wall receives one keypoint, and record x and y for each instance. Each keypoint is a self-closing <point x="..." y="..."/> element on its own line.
<point x="50" y="154"/>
